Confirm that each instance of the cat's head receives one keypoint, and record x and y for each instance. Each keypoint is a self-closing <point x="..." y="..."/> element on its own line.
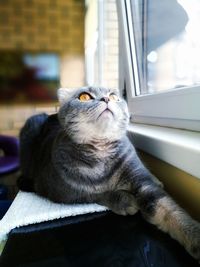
<point x="92" y="114"/>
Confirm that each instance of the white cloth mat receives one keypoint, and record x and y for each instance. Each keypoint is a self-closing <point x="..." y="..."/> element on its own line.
<point x="29" y="208"/>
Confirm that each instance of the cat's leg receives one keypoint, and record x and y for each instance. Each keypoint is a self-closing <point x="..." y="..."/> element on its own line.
<point x="120" y="202"/>
<point x="169" y="217"/>
<point x="161" y="210"/>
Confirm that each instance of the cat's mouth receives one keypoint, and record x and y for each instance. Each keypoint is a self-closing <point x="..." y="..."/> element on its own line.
<point x="106" y="113"/>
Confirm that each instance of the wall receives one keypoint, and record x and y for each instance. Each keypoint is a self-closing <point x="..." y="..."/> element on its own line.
<point x="47" y="25"/>
<point x="101" y="43"/>
<point x="12" y="117"/>
<point x="111" y="44"/>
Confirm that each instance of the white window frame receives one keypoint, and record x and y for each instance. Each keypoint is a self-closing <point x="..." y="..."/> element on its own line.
<point x="174" y="109"/>
<point x="178" y="108"/>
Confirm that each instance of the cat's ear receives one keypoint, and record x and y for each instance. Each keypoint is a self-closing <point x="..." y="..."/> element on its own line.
<point x="64" y="94"/>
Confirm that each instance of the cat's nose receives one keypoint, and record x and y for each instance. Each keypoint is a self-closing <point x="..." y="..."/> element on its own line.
<point x="105" y="99"/>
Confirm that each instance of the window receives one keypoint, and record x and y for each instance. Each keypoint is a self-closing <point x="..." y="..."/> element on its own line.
<point x="159" y="72"/>
<point x="161" y="61"/>
<point x="165" y="32"/>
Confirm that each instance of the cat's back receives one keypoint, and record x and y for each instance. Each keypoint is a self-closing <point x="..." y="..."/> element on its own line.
<point x="50" y="127"/>
<point x="49" y="130"/>
<point x="36" y="139"/>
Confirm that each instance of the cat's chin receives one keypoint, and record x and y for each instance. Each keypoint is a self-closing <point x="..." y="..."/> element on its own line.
<point x="103" y="131"/>
<point x="106" y="114"/>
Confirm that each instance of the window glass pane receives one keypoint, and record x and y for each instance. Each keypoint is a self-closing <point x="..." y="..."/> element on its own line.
<point x="168" y="43"/>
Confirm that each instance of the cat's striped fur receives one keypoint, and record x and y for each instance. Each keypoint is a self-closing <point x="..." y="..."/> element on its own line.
<point x="82" y="154"/>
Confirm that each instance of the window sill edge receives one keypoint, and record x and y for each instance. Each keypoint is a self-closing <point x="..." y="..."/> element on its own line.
<point x="180" y="148"/>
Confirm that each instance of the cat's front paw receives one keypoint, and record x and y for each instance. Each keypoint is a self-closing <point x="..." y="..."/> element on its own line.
<point x="120" y="202"/>
<point x="128" y="210"/>
<point x="193" y="245"/>
<point x="126" y="205"/>
<point x="194" y="251"/>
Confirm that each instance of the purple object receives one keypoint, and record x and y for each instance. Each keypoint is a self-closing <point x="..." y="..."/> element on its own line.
<point x="9" y="162"/>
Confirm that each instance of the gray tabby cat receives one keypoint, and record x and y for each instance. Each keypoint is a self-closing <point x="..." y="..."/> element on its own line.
<point x="82" y="154"/>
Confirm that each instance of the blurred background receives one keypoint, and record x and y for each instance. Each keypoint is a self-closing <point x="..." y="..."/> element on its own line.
<point x="47" y="44"/>
<point x="41" y="48"/>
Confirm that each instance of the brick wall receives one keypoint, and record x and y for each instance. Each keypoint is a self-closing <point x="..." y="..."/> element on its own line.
<point x="48" y="25"/>
<point x="104" y="46"/>
<point x="111" y="44"/>
<point x="12" y="118"/>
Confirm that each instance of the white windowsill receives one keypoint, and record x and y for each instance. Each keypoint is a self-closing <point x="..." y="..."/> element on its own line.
<point x="180" y="148"/>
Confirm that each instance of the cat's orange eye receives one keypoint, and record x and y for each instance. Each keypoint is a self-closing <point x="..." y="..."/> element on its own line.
<point x="85" y="97"/>
<point x="113" y="97"/>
